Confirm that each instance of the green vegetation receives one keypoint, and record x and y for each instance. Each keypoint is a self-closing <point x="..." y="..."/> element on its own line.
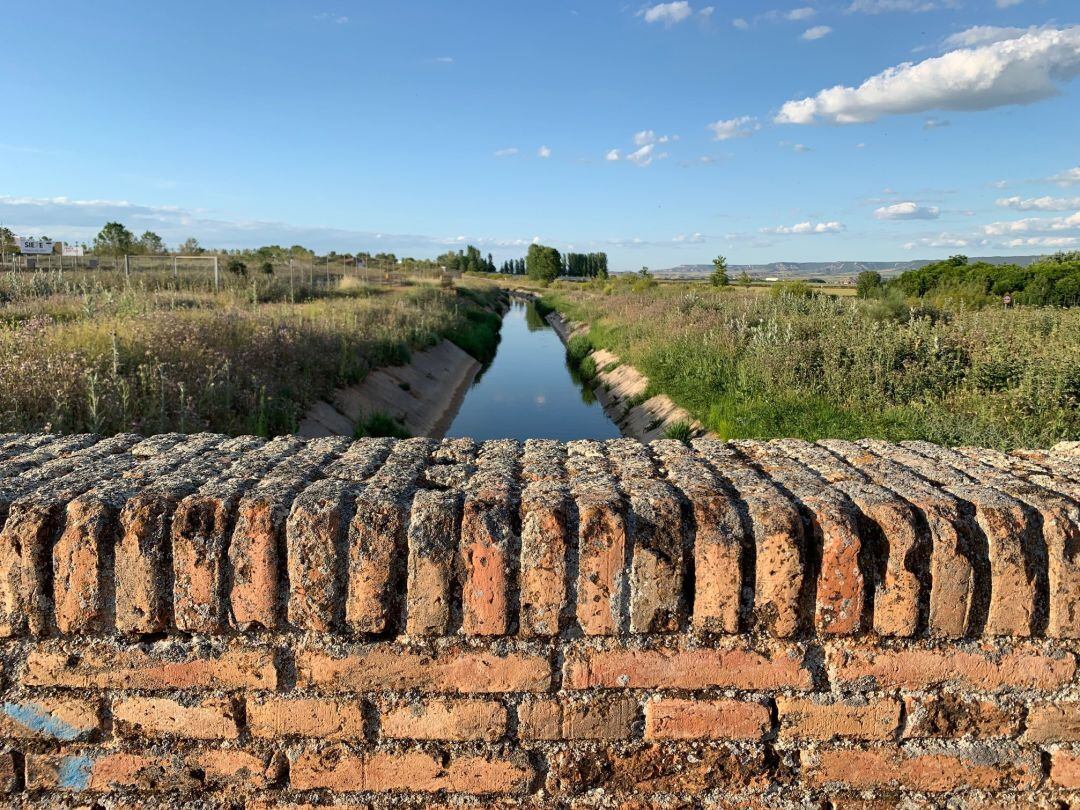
<point x="154" y="351"/>
<point x="868" y="284"/>
<point x="796" y="362"/>
<point x="719" y="277"/>
<point x="1051" y="281"/>
<point x="578" y="347"/>
<point x="543" y="263"/>
<point x="679" y="431"/>
<point x="378" y="425"/>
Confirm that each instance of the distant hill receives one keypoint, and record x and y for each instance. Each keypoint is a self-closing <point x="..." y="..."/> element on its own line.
<point x="834" y="271"/>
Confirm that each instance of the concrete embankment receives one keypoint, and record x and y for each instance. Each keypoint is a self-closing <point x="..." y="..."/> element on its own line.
<point x="619" y="388"/>
<point x="424" y="395"/>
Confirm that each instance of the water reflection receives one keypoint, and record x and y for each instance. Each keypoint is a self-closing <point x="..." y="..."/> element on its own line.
<point x="528" y="392"/>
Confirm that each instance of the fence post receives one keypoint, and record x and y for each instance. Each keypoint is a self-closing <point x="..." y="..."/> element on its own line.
<point x="292" y="292"/>
<point x="127" y="269"/>
<point x="216" y="277"/>
<point x="175" y="272"/>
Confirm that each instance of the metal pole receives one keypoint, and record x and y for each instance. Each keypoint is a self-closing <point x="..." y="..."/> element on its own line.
<point x="175" y="272"/>
<point x="217" y="280"/>
<point x="127" y="269"/>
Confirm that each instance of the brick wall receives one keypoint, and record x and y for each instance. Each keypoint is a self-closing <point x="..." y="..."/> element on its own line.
<point x="209" y="621"/>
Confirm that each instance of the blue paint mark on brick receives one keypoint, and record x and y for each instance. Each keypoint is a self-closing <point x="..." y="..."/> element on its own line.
<point x="37" y="719"/>
<point x="74" y="772"/>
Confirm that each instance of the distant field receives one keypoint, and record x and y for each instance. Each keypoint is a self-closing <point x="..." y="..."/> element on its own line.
<point x="751" y="363"/>
<point x="101" y="351"/>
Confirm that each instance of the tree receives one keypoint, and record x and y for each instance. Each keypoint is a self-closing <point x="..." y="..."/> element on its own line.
<point x="868" y="283"/>
<point x="191" y="247"/>
<point x="744" y="279"/>
<point x="114" y="240"/>
<point x="543" y="263"/>
<point x="152" y="244"/>
<point x="719" y="277"/>
<point x="7" y="242"/>
<point x="236" y="267"/>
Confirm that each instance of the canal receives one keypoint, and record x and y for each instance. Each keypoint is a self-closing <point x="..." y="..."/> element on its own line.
<point x="528" y="391"/>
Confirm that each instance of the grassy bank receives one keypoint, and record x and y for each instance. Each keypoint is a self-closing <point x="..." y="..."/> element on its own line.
<point x="95" y="351"/>
<point x="750" y="364"/>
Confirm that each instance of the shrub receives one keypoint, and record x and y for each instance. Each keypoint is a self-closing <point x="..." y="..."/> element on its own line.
<point x="679" y="431"/>
<point x="380" y="425"/>
<point x="236" y="267"/>
<point x="587" y="369"/>
<point x="578" y="348"/>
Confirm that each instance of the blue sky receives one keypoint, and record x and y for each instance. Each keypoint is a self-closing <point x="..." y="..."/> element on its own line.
<point x="661" y="133"/>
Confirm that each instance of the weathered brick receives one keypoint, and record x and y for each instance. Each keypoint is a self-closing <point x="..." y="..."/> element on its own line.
<point x="656" y="535"/>
<point x="389" y="667"/>
<point x="544" y="546"/>
<point x="49" y="718"/>
<point x="718" y="543"/>
<point x="376" y="537"/>
<point x="679" y="719"/>
<point x="444" y="719"/>
<point x="254" y="559"/>
<point x="778" y="537"/>
<point x="932" y="772"/>
<point x="922" y="668"/>
<point x="9" y="774"/>
<point x="486" y="536"/>
<point x="415" y="771"/>
<point x="655" y="768"/>
<point x="168" y="668"/>
<point x="24" y="561"/>
<point x="1053" y="722"/>
<point x="327" y="719"/>
<point x="952" y="716"/>
<point x="76" y="560"/>
<point x="106" y="772"/>
<point x="568" y="719"/>
<point x="805" y="718"/>
<point x="210" y="719"/>
<point x="140" y="552"/>
<point x="200" y="531"/>
<point x="602" y="563"/>
<point x="739" y="668"/>
<point x="314" y="536"/>
<point x="433" y="529"/>
<point x="1065" y="769"/>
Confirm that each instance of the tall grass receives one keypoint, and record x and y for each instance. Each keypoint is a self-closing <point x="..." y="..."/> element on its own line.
<point x="750" y="365"/>
<point x="96" y="351"/>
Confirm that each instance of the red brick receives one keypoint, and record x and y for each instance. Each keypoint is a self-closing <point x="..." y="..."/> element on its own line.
<point x="1053" y="722"/>
<point x="101" y="668"/>
<point x="76" y="565"/>
<point x="841" y="590"/>
<point x="275" y="718"/>
<point x="544" y="544"/>
<point x="389" y="667"/>
<point x="655" y="769"/>
<point x="739" y="668"/>
<point x="951" y="716"/>
<point x="1065" y="769"/>
<point x="313" y="535"/>
<point x="567" y="719"/>
<point x="718" y="544"/>
<point x="376" y="536"/>
<point x="49" y="718"/>
<point x="486" y="529"/>
<point x="414" y="771"/>
<point x="24" y="560"/>
<point x="778" y="537"/>
<point x="444" y="719"/>
<point x="432" y="531"/>
<point x="211" y="719"/>
<point x="986" y="769"/>
<point x="922" y="668"/>
<point x="896" y="598"/>
<point x="803" y="718"/>
<point x="253" y="560"/>
<point x="601" y="565"/>
<point x="104" y="772"/>
<point x="677" y="719"/>
<point x="140" y="563"/>
<point x="9" y="774"/>
<point x="953" y="580"/>
<point x="656" y="568"/>
<point x="199" y="534"/>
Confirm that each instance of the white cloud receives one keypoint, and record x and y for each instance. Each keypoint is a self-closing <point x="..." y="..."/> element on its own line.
<point x="444" y="60"/>
<point x="332" y="18"/>
<point x="646" y="155"/>
<point x="1042" y="241"/>
<point x="907" y="210"/>
<point x="647" y="136"/>
<point x="1041" y="203"/>
<point x="740" y="23"/>
<point x="936" y="123"/>
<point x="612" y="155"/>
<point x="817" y="32"/>
<point x="690" y="239"/>
<point x="510" y="151"/>
<point x="706" y="12"/>
<point x="801" y="148"/>
<point x="543" y="152"/>
<point x="1008" y="3"/>
<point x="982" y="35"/>
<point x="1020" y="70"/>
<point x="1070" y="177"/>
<point x="805" y="228"/>
<point x="944" y="240"/>
<point x="804" y="13"/>
<point x="734" y="128"/>
<point x="1034" y="225"/>
<point x="668" y="13"/>
<point x="882" y="6"/>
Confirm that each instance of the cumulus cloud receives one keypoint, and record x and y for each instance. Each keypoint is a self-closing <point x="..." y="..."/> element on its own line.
<point x="612" y="155"/>
<point x="647" y="136"/>
<point x="740" y="23"/>
<point x="646" y="155"/>
<point x="805" y="228"/>
<point x="817" y="32"/>
<point x="804" y="13"/>
<point x="543" y="152"/>
<point x="734" y="128"/>
<point x="907" y="210"/>
<point x="1018" y="70"/>
<point x="1034" y="225"/>
<point x="1070" y="177"/>
<point x="668" y="13"/>
<point x="1041" y="203"/>
<point x="1042" y="241"/>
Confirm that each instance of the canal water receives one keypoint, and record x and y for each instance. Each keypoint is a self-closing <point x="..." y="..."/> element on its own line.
<point x="528" y="391"/>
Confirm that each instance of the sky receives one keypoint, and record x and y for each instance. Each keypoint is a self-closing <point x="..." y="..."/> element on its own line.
<point x="663" y="134"/>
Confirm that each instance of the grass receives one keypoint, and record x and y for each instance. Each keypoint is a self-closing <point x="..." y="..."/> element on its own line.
<point x="95" y="351"/>
<point x="380" y="424"/>
<point x="750" y="364"/>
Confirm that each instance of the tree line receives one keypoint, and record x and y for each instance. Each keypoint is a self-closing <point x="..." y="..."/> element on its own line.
<point x="544" y="263"/>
